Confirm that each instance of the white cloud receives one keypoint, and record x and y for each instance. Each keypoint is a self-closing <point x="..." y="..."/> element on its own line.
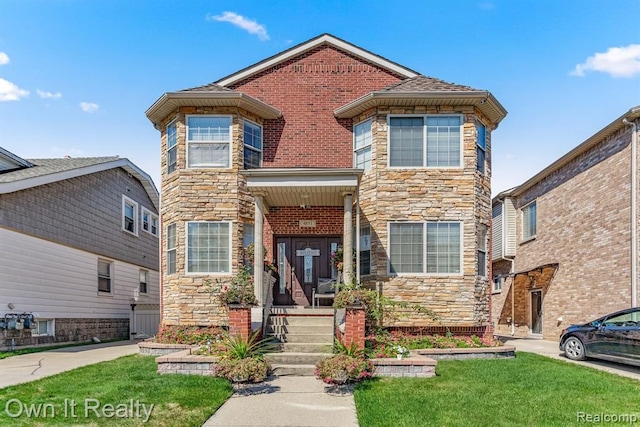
<point x="11" y="92"/>
<point x="250" y="26"/>
<point x="48" y="95"/>
<point x="4" y="58"/>
<point x="89" y="107"/>
<point x="616" y="61"/>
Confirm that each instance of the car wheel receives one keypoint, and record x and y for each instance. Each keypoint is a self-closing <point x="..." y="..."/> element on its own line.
<point x="574" y="349"/>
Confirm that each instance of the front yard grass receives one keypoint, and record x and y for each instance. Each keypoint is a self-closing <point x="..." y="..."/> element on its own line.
<point x="179" y="400"/>
<point x="529" y="390"/>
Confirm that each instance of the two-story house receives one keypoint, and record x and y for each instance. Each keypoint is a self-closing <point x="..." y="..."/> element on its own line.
<point x="565" y="242"/>
<point x="328" y="145"/>
<point x="79" y="240"/>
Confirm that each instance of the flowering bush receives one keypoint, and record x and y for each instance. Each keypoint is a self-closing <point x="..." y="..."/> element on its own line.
<point x="337" y="257"/>
<point x="184" y="334"/>
<point x="251" y="369"/>
<point x="386" y="344"/>
<point x="238" y="291"/>
<point x="342" y="369"/>
<point x="401" y="350"/>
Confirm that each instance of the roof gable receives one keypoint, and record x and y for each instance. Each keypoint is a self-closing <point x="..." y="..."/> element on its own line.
<point x="324" y="39"/>
<point x="46" y="171"/>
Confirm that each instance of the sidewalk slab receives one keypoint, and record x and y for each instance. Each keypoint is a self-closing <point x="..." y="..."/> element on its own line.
<point x="287" y="401"/>
<point x="33" y="366"/>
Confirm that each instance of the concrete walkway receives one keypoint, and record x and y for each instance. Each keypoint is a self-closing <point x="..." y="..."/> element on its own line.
<point x="33" y="366"/>
<point x="287" y="401"/>
<point x="551" y="349"/>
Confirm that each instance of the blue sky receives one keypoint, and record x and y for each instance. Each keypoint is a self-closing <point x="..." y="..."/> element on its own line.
<point x="77" y="76"/>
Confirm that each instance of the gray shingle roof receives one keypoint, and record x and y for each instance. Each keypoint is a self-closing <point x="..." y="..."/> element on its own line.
<point x="426" y="84"/>
<point x="49" y="166"/>
<point x="211" y="87"/>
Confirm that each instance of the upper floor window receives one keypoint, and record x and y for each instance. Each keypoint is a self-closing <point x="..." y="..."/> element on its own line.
<point x="425" y="141"/>
<point x="362" y="145"/>
<point x="497" y="284"/>
<point x="104" y="275"/>
<point x="172" y="147"/>
<point x="208" y="141"/>
<point x="129" y="215"/>
<point x="208" y="247"/>
<point x="431" y="247"/>
<point x="149" y="222"/>
<point x="481" y="148"/>
<point x="144" y="275"/>
<point x="252" y="145"/>
<point x="171" y="248"/>
<point x="529" y="221"/>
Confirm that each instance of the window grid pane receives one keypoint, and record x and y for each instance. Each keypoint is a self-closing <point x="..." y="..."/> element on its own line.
<point x="172" y="149"/>
<point x="362" y="134"/>
<point x="363" y="158"/>
<point x="443" y="247"/>
<point x="406" y="141"/>
<point x="212" y="129"/>
<point x="208" y="249"/>
<point x="406" y="248"/>
<point x="443" y="141"/>
<point x="529" y="219"/>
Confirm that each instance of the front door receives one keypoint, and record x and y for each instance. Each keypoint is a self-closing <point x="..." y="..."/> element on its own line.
<point x="536" y="312"/>
<point x="301" y="261"/>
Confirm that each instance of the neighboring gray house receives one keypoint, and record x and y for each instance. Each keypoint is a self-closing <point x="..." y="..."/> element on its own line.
<point x="78" y="248"/>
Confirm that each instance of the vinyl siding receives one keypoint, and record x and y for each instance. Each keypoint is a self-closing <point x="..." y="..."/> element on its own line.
<point x="56" y="281"/>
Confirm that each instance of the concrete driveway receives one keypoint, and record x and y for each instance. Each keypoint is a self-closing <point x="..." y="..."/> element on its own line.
<point x="30" y="367"/>
<point x="550" y="349"/>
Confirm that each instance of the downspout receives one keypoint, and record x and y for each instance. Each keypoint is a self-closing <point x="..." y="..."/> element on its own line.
<point x="634" y="218"/>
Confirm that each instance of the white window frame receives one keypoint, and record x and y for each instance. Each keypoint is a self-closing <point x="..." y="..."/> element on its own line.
<point x="251" y="147"/>
<point x="172" y="167"/>
<point x="424" y="141"/>
<point x="152" y="219"/>
<point x="230" y="142"/>
<point x="186" y="255"/>
<point x="368" y="146"/>
<point x="145" y="282"/>
<point x="483" y="233"/>
<point x="525" y="211"/>
<point x="480" y="148"/>
<point x="127" y="201"/>
<point x="110" y="277"/>
<point x="496" y="285"/>
<point x="172" y="249"/>
<point x="424" y="250"/>
<point x="51" y="328"/>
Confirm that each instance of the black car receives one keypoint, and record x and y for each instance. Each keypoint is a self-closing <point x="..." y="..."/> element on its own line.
<point x="614" y="337"/>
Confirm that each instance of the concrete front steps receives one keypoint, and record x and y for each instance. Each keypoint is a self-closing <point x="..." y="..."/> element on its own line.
<point x="304" y="337"/>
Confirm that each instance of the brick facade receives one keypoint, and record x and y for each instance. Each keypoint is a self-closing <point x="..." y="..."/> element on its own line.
<point x="307" y="89"/>
<point x="583" y="226"/>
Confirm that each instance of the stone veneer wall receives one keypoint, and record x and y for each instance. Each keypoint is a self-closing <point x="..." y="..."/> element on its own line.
<point x="67" y="330"/>
<point x="207" y="194"/>
<point x="422" y="194"/>
<point x="583" y="212"/>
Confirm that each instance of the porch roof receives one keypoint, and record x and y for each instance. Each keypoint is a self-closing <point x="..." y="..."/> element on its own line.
<point x="303" y="187"/>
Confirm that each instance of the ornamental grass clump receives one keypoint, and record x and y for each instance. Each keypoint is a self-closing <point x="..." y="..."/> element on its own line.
<point x="242" y="359"/>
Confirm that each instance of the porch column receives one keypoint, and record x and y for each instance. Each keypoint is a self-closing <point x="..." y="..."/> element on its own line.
<point x="347" y="239"/>
<point x="258" y="250"/>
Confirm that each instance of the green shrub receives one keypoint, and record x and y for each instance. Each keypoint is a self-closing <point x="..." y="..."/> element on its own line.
<point x="250" y="369"/>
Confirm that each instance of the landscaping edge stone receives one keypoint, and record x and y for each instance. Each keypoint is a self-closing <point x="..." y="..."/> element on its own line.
<point x="414" y="366"/>
<point x="151" y="348"/>
<point x="183" y="362"/>
<point x="468" y="353"/>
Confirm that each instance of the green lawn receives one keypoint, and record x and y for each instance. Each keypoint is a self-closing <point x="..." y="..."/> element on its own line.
<point x="125" y="383"/>
<point x="529" y="390"/>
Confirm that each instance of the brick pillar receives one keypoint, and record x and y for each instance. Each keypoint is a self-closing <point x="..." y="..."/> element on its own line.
<point x="354" y="326"/>
<point x="239" y="320"/>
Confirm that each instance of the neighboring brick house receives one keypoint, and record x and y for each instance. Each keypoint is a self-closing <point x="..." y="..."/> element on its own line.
<point x="320" y="146"/>
<point x="565" y="242"/>
<point x="78" y="241"/>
